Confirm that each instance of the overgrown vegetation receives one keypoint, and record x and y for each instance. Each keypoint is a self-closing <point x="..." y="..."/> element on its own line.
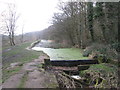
<point x="103" y="53"/>
<point x="101" y="76"/>
<point x="93" y="26"/>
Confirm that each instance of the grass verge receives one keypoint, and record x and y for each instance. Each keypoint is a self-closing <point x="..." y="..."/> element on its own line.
<point x="8" y="73"/>
<point x="17" y="53"/>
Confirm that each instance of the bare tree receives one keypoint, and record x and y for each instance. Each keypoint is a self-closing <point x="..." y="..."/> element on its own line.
<point x="22" y="34"/>
<point x="10" y="18"/>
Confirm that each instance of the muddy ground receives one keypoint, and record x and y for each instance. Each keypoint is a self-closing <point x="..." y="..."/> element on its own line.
<point x="32" y="75"/>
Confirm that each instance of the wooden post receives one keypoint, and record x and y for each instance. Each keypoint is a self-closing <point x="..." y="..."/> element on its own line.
<point x="47" y="63"/>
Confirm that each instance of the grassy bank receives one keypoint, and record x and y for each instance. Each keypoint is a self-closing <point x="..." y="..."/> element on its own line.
<point x="17" y="53"/>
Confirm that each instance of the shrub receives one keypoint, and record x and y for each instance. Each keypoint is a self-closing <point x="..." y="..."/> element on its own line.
<point x="116" y="46"/>
<point x="87" y="51"/>
<point x="101" y="76"/>
<point x="104" y="53"/>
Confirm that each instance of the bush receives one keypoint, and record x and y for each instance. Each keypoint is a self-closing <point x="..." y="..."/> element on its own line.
<point x="87" y="52"/>
<point x="116" y="46"/>
<point x="103" y="53"/>
<point x="101" y="76"/>
<point x="103" y="59"/>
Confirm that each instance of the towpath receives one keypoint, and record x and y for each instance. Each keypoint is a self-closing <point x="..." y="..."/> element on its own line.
<point x="32" y="75"/>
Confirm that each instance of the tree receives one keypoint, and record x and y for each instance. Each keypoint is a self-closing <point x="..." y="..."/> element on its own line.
<point x="107" y="15"/>
<point x="66" y="19"/>
<point x="22" y="34"/>
<point x="99" y="14"/>
<point x="10" y="19"/>
<point x="73" y="21"/>
<point x="88" y="22"/>
<point x="90" y="19"/>
<point x="111" y="17"/>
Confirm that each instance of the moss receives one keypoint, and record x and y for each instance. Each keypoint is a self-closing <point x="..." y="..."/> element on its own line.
<point x="65" y="54"/>
<point x="104" y="66"/>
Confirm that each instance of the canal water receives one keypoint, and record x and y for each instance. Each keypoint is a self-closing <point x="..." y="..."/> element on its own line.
<point x="61" y="53"/>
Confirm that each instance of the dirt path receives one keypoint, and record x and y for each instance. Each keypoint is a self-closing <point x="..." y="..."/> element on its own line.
<point x="32" y="76"/>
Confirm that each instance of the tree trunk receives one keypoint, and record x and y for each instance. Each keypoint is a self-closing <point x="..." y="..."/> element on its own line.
<point x="90" y="20"/>
<point x="10" y="40"/>
<point x="71" y="39"/>
<point x="13" y="41"/>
